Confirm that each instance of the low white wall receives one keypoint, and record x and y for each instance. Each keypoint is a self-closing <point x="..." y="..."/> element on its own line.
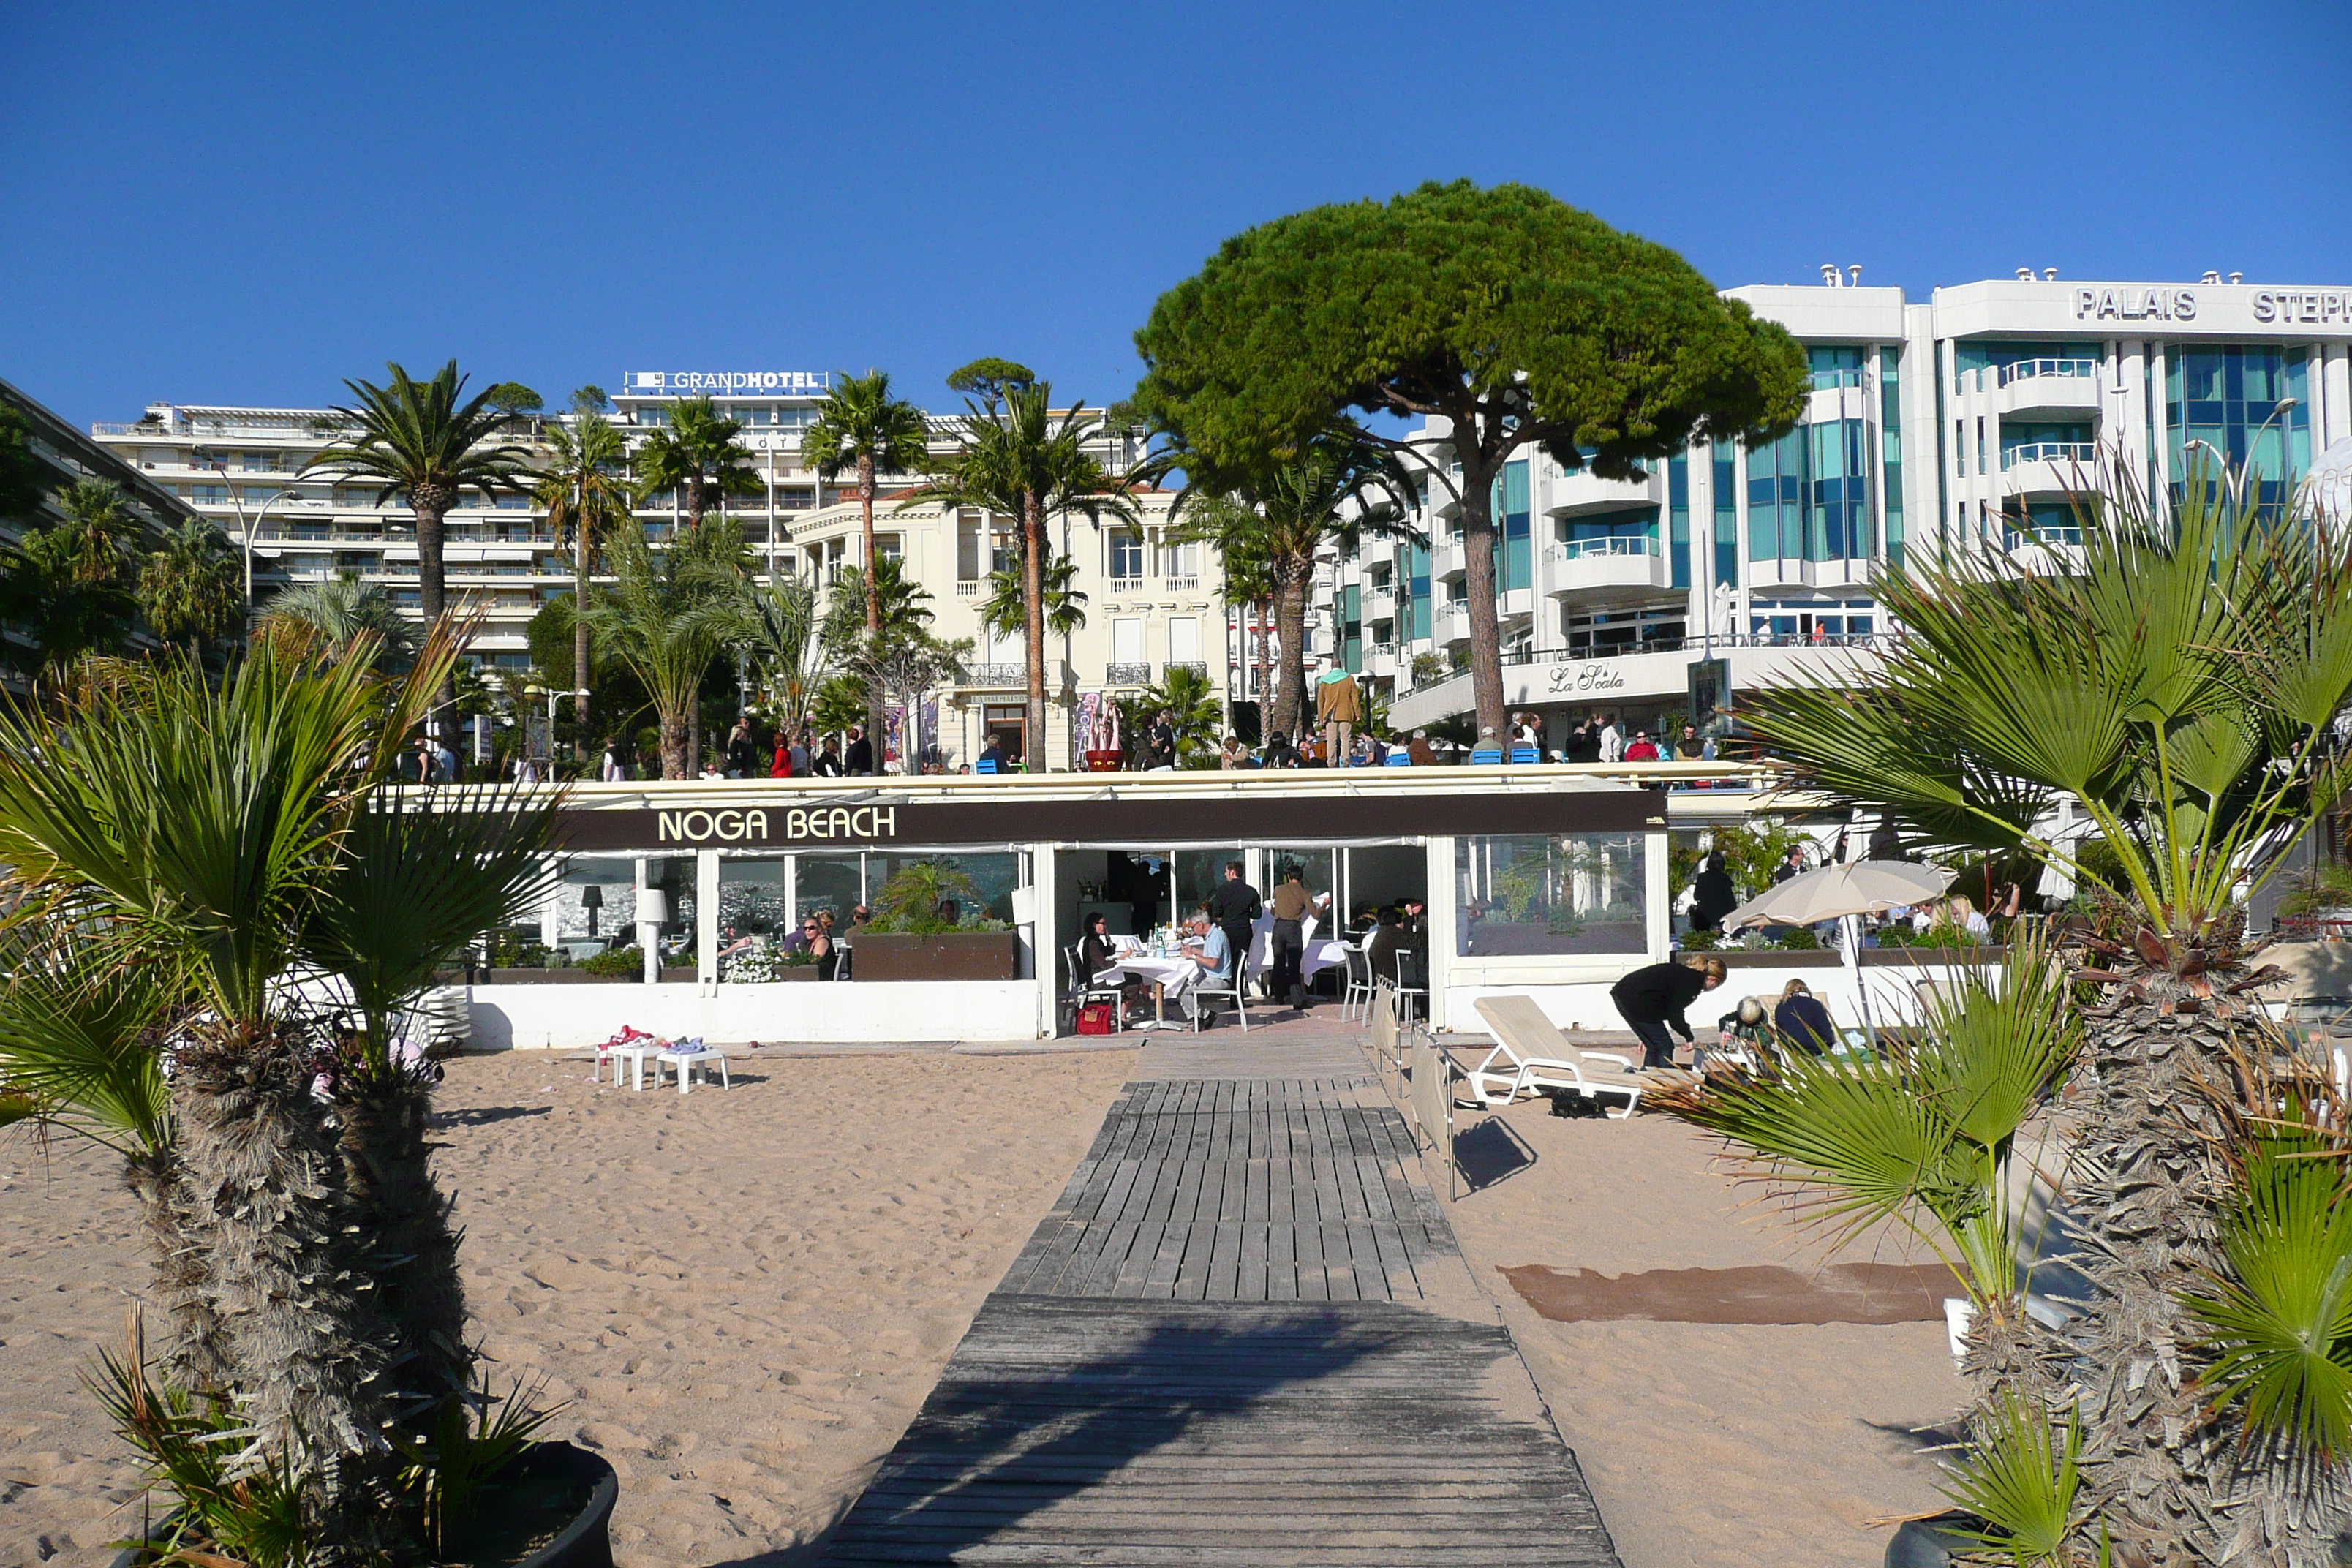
<point x="1894" y="998"/>
<point x="529" y="1018"/>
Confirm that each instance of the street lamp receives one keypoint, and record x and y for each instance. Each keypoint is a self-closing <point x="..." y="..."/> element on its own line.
<point x="247" y="526"/>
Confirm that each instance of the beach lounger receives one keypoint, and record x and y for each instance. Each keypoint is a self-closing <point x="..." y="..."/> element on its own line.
<point x="1531" y="1057"/>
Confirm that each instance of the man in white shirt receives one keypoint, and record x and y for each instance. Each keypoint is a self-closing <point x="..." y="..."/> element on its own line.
<point x="1209" y="948"/>
<point x="1613" y="741"/>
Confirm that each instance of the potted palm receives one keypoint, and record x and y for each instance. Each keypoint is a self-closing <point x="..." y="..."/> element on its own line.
<point x="180" y="852"/>
<point x="928" y="925"/>
<point x="2184" y="685"/>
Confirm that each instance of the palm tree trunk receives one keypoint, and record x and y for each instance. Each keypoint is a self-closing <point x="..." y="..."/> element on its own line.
<point x="191" y="1355"/>
<point x="873" y="600"/>
<point x="302" y="1326"/>
<point x="580" y="715"/>
<point x="2157" y="1466"/>
<point x="1032" y="618"/>
<point x="1262" y="612"/>
<point x="1485" y="620"/>
<point x="673" y="743"/>
<point x="388" y="1172"/>
<point x="431" y="503"/>
<point x="1290" y="580"/>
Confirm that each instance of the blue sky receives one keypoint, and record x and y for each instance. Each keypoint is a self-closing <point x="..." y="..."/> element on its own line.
<point x="243" y="204"/>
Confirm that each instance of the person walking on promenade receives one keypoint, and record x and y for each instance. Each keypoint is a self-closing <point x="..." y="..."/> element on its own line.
<point x="858" y="760"/>
<point x="1712" y="895"/>
<point x="1339" y="709"/>
<point x="1652" y="999"/>
<point x="742" y="752"/>
<point x="828" y="762"/>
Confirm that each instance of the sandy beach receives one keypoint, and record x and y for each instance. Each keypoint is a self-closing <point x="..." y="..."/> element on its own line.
<point x="744" y="1296"/>
<point x="1772" y="1445"/>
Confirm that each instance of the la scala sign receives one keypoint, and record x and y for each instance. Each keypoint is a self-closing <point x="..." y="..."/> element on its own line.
<point x="1586" y="674"/>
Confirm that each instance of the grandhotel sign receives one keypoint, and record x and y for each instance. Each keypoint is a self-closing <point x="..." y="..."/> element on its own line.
<point x="774" y="819"/>
<point x="727" y="383"/>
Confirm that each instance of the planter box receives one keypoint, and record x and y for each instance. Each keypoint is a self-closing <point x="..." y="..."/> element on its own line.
<point x="948" y="955"/>
<point x="684" y="974"/>
<point x="791" y="975"/>
<point x="1941" y="957"/>
<point x="550" y="977"/>
<point x="1776" y="958"/>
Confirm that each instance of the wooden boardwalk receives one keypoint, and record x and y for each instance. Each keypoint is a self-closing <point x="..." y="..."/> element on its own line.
<point x="1226" y="1346"/>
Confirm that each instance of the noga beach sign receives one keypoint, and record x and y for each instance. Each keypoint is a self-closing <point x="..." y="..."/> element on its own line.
<point x="792" y="824"/>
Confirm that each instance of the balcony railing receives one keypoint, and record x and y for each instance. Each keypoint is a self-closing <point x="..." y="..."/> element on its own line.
<point x="2067" y="534"/>
<point x="1184" y="584"/>
<point x="970" y="588"/>
<point x="1605" y="545"/>
<point x="2049" y="452"/>
<point x="1126" y="584"/>
<point x="1196" y="665"/>
<point x="1128" y="674"/>
<point x="2028" y="369"/>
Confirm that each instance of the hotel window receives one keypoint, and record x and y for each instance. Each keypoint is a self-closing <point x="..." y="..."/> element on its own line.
<point x="1726" y="486"/>
<point x="1184" y="639"/>
<point x="1126" y="641"/>
<point x="1183" y="559"/>
<point x="1679" y="505"/>
<point x="2228" y="397"/>
<point x="969" y="531"/>
<point x="1833" y="367"/>
<point x="1509" y="509"/>
<point x="1890" y="425"/>
<point x="1125" y="555"/>
<point x="889" y="546"/>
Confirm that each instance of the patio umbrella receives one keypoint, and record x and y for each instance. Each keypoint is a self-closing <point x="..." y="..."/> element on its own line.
<point x="1856" y="887"/>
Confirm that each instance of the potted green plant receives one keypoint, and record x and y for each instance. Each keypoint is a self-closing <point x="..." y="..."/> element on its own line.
<point x="927" y="926"/>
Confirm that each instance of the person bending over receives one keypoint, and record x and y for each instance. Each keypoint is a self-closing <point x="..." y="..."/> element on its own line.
<point x="1651" y="1001"/>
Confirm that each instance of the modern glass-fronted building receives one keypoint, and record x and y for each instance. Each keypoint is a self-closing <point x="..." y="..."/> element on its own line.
<point x="1974" y="416"/>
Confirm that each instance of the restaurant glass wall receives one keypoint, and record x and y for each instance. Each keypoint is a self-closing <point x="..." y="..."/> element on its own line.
<point x="995" y="875"/>
<point x="834" y="882"/>
<point x="1199" y="874"/>
<point x="1525" y="894"/>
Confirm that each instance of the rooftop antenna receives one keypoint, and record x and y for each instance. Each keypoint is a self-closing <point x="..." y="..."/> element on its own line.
<point x="2025" y="275"/>
<point x="1857" y="275"/>
<point x="2211" y="276"/>
<point x="1829" y="278"/>
<point x="2237" y="277"/>
<point x="2050" y="273"/>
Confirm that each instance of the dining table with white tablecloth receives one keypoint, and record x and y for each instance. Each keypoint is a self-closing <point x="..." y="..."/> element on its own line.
<point x="1167" y="976"/>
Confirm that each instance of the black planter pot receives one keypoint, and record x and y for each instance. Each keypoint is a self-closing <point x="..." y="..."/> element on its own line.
<point x="585" y="1542"/>
<point x="1932" y="1543"/>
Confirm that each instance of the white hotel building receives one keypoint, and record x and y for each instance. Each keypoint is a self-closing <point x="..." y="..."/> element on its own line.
<point x="1929" y="426"/>
<point x="1150" y="602"/>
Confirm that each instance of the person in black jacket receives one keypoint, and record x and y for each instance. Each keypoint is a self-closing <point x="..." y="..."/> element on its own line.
<point x="1237" y="908"/>
<point x="858" y="760"/>
<point x="743" y="757"/>
<point x="1803" y="1021"/>
<point x="1651" y="1001"/>
<point x="1713" y="896"/>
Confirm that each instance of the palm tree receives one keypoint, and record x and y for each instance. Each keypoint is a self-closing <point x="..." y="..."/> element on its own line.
<point x="668" y="616"/>
<point x="1339" y="491"/>
<point x="346" y="615"/>
<point x="197" y="842"/>
<point x="1006" y="608"/>
<point x="417" y="439"/>
<point x="783" y="634"/>
<point x="2184" y="683"/>
<point x="97" y="521"/>
<point x="588" y="498"/>
<point x="860" y="425"/>
<point x="696" y="451"/>
<point x="1017" y="458"/>
<point x="1186" y="696"/>
<point x="61" y="613"/>
<point x="190" y="587"/>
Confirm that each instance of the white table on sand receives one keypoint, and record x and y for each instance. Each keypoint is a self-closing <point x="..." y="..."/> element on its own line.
<point x="637" y="1051"/>
<point x="684" y="1062"/>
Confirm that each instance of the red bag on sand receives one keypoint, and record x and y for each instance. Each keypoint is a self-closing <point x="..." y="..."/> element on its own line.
<point x="1098" y="1018"/>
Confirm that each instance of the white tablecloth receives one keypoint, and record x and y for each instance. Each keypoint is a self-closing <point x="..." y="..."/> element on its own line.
<point x="1321" y="953"/>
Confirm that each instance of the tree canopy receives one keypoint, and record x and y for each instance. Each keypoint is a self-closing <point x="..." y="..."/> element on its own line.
<point x="1510" y="317"/>
<point x="1507" y="311"/>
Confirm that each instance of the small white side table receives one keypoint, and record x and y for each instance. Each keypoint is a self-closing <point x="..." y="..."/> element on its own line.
<point x="684" y="1062"/>
<point x="637" y="1053"/>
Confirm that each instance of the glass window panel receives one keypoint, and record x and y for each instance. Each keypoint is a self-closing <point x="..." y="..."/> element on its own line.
<point x="1530" y="894"/>
<point x="995" y="876"/>
<point x="834" y="882"/>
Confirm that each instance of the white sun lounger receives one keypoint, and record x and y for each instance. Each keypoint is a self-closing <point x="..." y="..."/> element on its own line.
<point x="1531" y="1056"/>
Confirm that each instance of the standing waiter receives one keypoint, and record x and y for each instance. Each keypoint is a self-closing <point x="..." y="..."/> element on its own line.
<point x="1237" y="906"/>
